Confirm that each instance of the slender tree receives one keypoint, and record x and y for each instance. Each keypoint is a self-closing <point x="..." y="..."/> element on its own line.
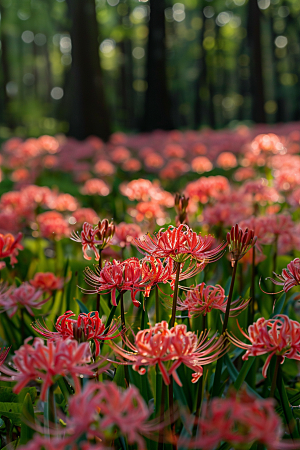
<point x="157" y="103"/>
<point x="256" y="66"/>
<point x="86" y="107"/>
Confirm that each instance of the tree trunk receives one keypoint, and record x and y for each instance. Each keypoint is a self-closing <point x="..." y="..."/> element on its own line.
<point x="257" y="85"/>
<point x="157" y="103"/>
<point x="86" y="107"/>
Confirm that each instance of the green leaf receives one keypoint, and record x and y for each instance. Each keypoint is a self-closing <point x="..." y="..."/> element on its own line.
<point x="279" y="304"/>
<point x="12" y="411"/>
<point x="243" y="373"/>
<point x="287" y="411"/>
<point x="11" y="445"/>
<point x="82" y="307"/>
<point x="234" y="374"/>
<point x="8" y="396"/>
<point x="27" y="416"/>
<point x="18" y="282"/>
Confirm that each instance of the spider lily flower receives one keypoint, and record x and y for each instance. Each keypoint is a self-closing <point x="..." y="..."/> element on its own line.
<point x="117" y="276"/>
<point x="93" y="237"/>
<point x="204" y="298"/>
<point x="47" y="282"/>
<point x="24" y="296"/>
<point x="239" y="242"/>
<point x="240" y="421"/>
<point x="46" y="362"/>
<point x="105" y="411"/>
<point x="289" y="277"/>
<point x="180" y="244"/>
<point x="161" y="345"/>
<point x="10" y="246"/>
<point x="124" y="234"/>
<point x="56" y="443"/>
<point x="154" y="272"/>
<point x="87" y="327"/>
<point x="277" y="336"/>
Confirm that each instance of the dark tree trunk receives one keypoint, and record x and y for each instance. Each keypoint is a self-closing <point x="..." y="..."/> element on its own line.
<point x="257" y="85"/>
<point x="157" y="103"/>
<point x="86" y="107"/>
<point x="5" y="115"/>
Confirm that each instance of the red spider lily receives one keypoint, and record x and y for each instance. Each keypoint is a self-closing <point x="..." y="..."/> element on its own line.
<point x="203" y="299"/>
<point x="239" y="242"/>
<point x="105" y="411"/>
<point x="277" y="336"/>
<point x="45" y="443"/>
<point x="289" y="277"/>
<point x="47" y="282"/>
<point x="52" y="225"/>
<point x="239" y="420"/>
<point x="93" y="237"/>
<point x="159" y="345"/>
<point x="85" y="328"/>
<point x="180" y="244"/>
<point x="63" y="357"/>
<point x="121" y="276"/>
<point x="125" y="232"/>
<point x="24" y="296"/>
<point x="154" y="271"/>
<point x="10" y="246"/>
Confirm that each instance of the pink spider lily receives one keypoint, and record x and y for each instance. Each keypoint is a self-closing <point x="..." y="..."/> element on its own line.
<point x="55" y="443"/>
<point x="204" y="298"/>
<point x="277" y="336"/>
<point x="46" y="362"/>
<point x="289" y="277"/>
<point x="93" y="237"/>
<point x="160" y="345"/>
<point x="47" y="282"/>
<point x="10" y="246"/>
<point x="154" y="271"/>
<point x="104" y="411"/>
<point x="24" y="296"/>
<point x="239" y="242"/>
<point x="117" y="276"/>
<point x="87" y="327"/>
<point x="240" y="421"/>
<point x="180" y="244"/>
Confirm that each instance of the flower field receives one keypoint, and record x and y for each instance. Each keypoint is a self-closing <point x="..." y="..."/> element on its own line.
<point x="149" y="291"/>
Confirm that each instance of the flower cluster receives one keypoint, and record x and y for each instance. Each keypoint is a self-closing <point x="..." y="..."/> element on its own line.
<point x="277" y="336"/>
<point x="87" y="327"/>
<point x="46" y="362"/>
<point x="161" y="345"/>
<point x="204" y="298"/>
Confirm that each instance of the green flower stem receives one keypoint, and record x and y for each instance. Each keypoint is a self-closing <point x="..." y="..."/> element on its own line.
<point x="252" y="303"/>
<point x="275" y="374"/>
<point x="98" y="293"/>
<point x="175" y="295"/>
<point x="156" y="304"/>
<point x="217" y="379"/>
<point x="50" y="407"/>
<point x="200" y="383"/>
<point x="162" y="414"/>
<point x="171" y="407"/>
<point x="124" y="329"/>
